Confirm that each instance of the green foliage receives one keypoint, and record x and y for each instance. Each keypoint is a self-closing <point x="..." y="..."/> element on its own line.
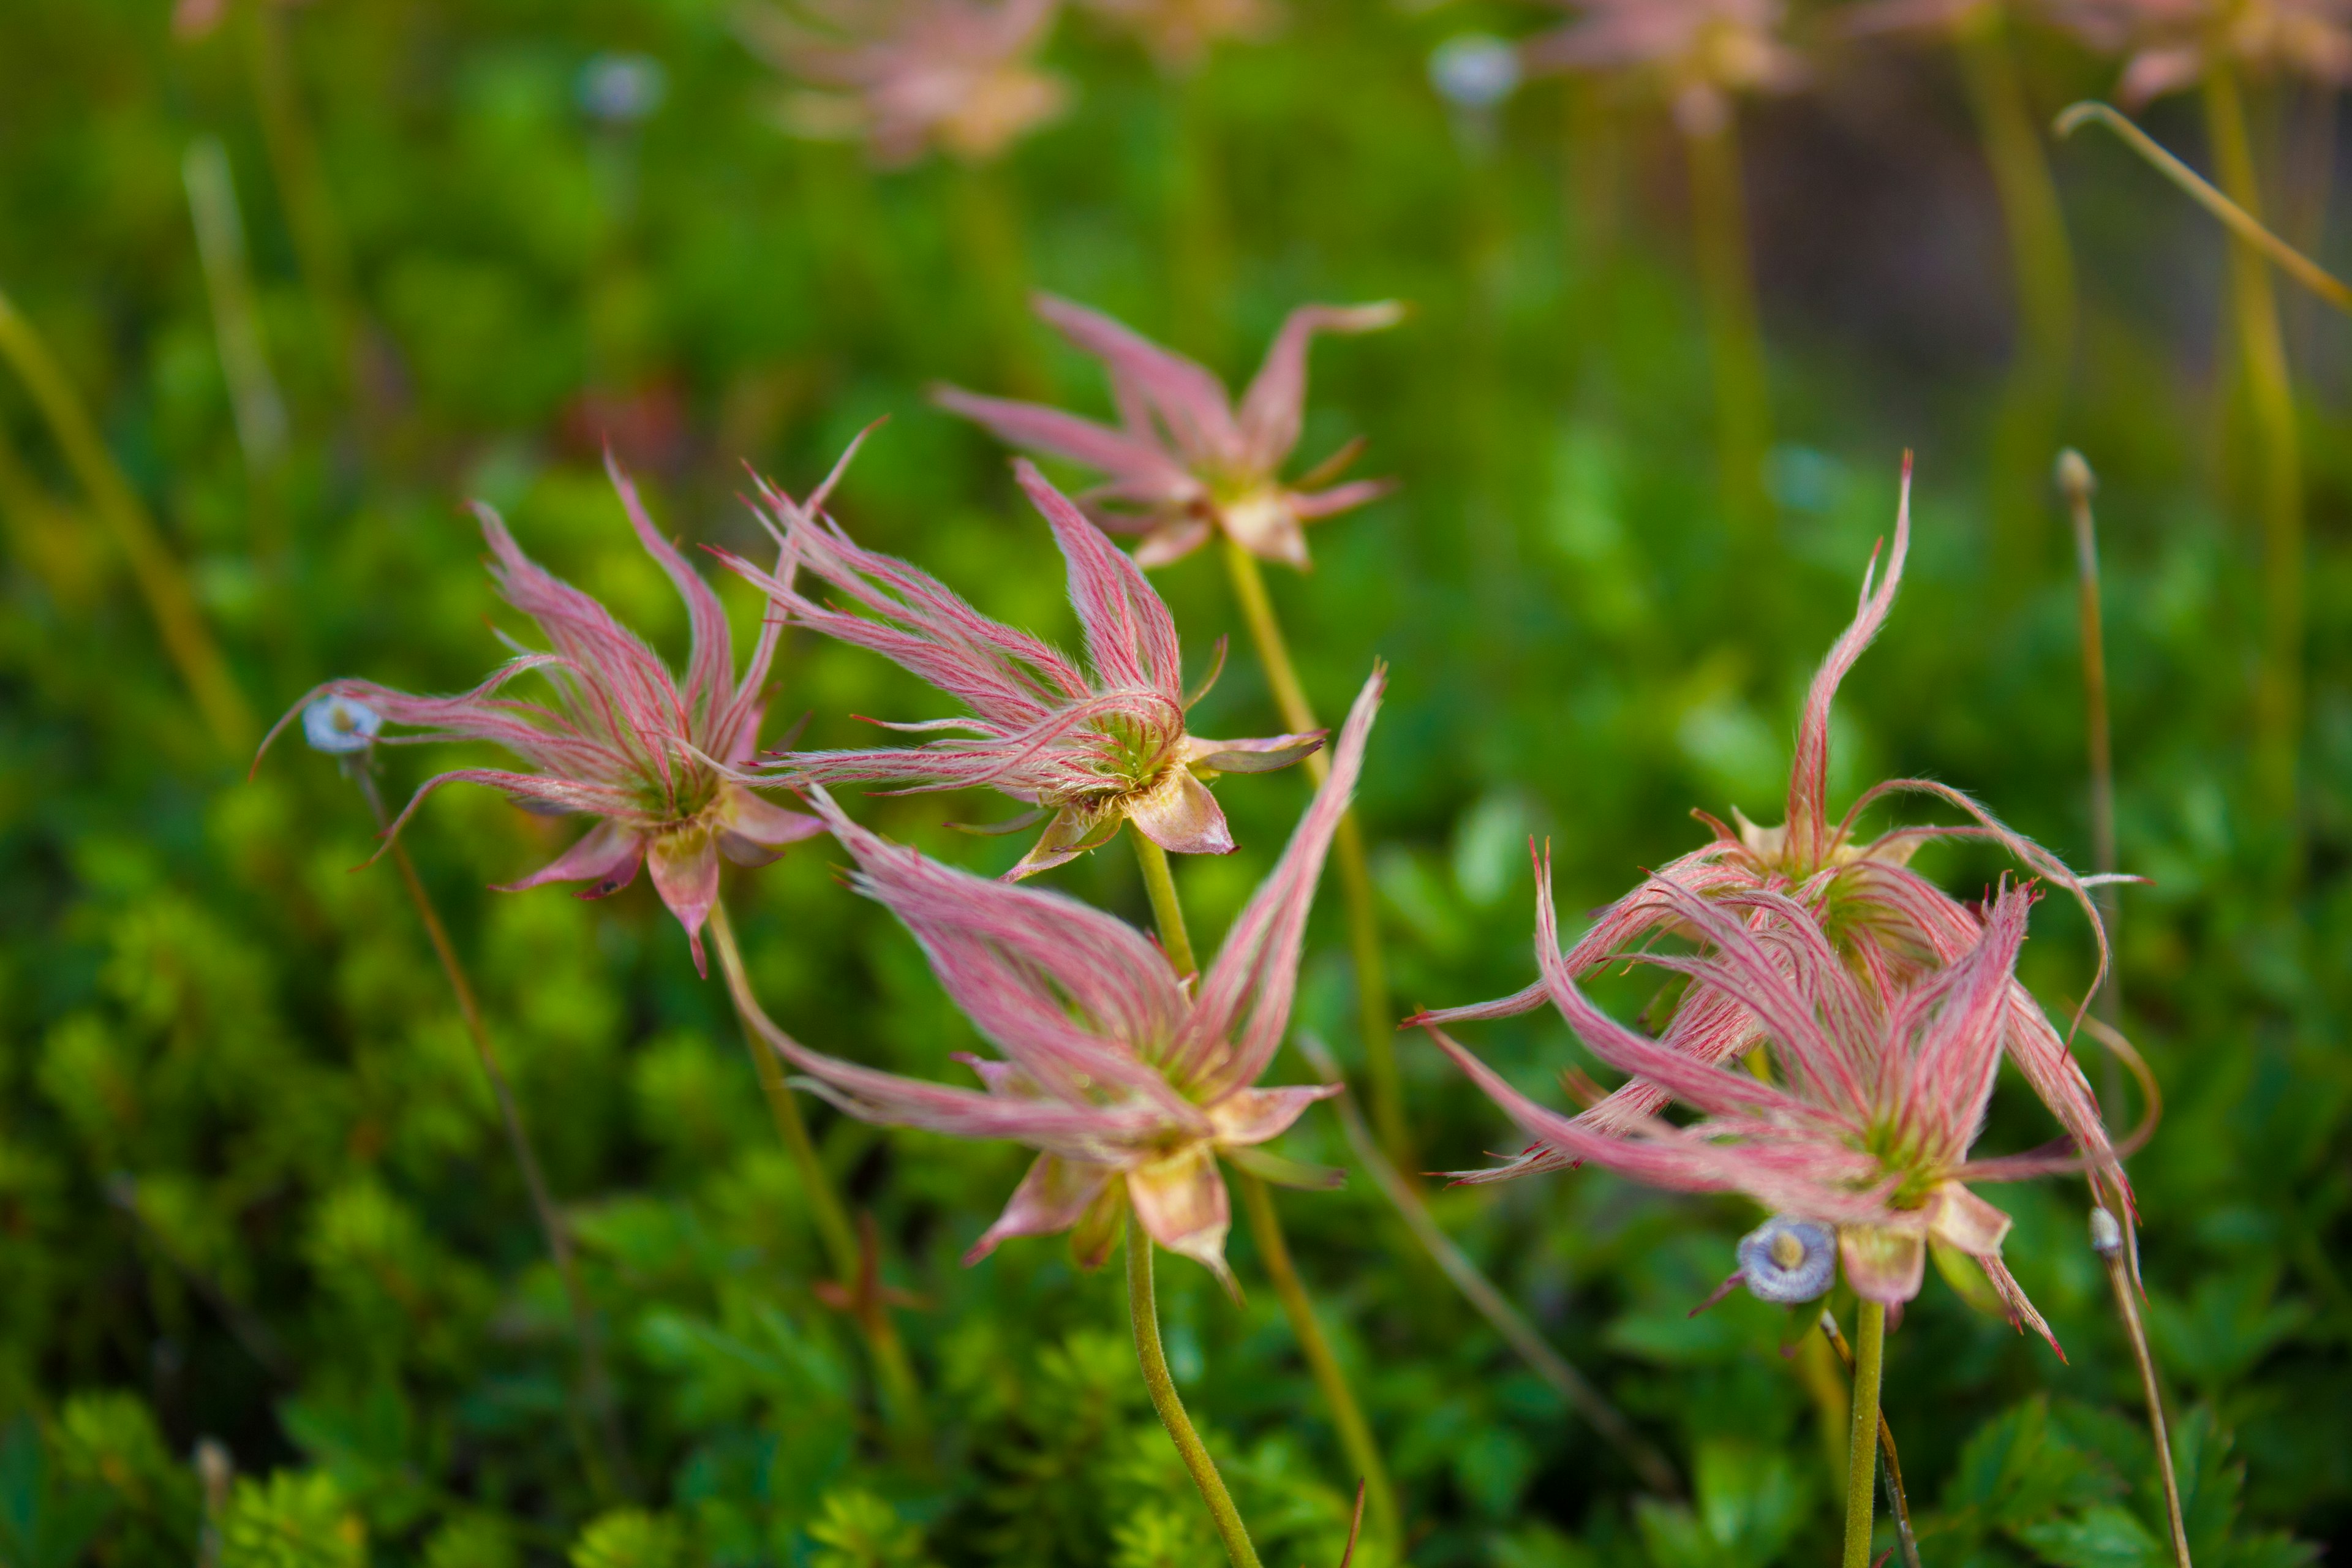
<point x="855" y="1529"/>
<point x="629" y="1538"/>
<point x="293" y="1520"/>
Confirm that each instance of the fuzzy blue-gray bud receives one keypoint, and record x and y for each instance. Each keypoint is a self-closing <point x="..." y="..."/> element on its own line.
<point x="341" y="727"/>
<point x="1786" y="1260"/>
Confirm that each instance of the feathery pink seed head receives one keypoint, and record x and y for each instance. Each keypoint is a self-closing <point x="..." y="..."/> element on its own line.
<point x="1700" y="54"/>
<point x="1128" y="1082"/>
<point x="622" y="740"/>
<point x="1095" y="746"/>
<point x="1185" y="461"/>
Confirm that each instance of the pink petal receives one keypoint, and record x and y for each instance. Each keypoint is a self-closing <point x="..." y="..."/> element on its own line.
<point x="1250" y="1116"/>
<point x="1181" y="816"/>
<point x="1174" y="540"/>
<point x="685" y="873"/>
<point x="1270" y="754"/>
<point x="764" y="822"/>
<point x="1958" y="1215"/>
<point x="1183" y="396"/>
<point x="1181" y="1203"/>
<point x="606" y="855"/>
<point x="1883" y="1264"/>
<point x="1053" y="1196"/>
<point x="1273" y="407"/>
<point x="1315" y="506"/>
<point x="1139" y="470"/>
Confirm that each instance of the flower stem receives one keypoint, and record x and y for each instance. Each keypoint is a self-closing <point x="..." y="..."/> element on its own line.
<point x="596" y="1386"/>
<point x="1862" y="1442"/>
<point x="1355" y="1432"/>
<point x="1743" y="413"/>
<point x="901" y="1395"/>
<point x="187" y="638"/>
<point x="2107" y="1241"/>
<point x="1898" y="1503"/>
<point x="1166" y="911"/>
<point x="2278" y="470"/>
<point x="1373" y="1016"/>
<point x="2041" y="264"/>
<point x="2076" y="481"/>
<point x="1144" y="1307"/>
<point x="1265" y="1229"/>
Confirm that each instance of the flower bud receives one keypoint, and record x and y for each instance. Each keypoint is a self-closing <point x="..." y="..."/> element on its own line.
<point x="1786" y="1260"/>
<point x="341" y="727"/>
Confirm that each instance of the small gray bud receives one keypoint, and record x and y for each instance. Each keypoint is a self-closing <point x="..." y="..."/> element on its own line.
<point x="339" y="727"/>
<point x="1786" y="1260"/>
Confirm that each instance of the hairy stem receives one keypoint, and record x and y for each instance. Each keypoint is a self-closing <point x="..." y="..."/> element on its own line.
<point x="1372" y="1014"/>
<point x="1862" y="1440"/>
<point x="1547" y="1364"/>
<point x="597" y="1384"/>
<point x="2041" y="264"/>
<point x="187" y="638"/>
<point x="901" y="1395"/>
<point x="1166" y="912"/>
<point x="2107" y="1241"/>
<point x="1144" y="1307"/>
<point x="2278" y="470"/>
<point x="1898" y="1503"/>
<point x="1355" y="1432"/>
<point x="1265" y="1229"/>
<point x="1743" y="412"/>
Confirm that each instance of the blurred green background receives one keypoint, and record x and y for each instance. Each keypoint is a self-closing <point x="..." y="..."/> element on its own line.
<point x="252" y="1186"/>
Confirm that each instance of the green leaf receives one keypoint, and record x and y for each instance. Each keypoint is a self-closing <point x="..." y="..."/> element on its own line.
<point x="2105" y="1536"/>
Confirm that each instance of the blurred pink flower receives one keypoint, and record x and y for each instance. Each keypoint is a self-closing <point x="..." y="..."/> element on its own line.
<point x="623" y="742"/>
<point x="2171" y="44"/>
<point x="912" y="76"/>
<point x="196" y="18"/>
<point x="1895" y="927"/>
<point x="1184" y="461"/>
<point x="1882" y="1090"/>
<point x="1698" y="53"/>
<point x="1179" y="33"/>
<point x="1128" y="1083"/>
<point x="1089" y="748"/>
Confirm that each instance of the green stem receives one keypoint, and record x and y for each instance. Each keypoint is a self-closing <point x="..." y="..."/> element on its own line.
<point x="187" y="638"/>
<point x="597" y="1384"/>
<point x="2076" y="481"/>
<point x="1355" y="1432"/>
<point x="1743" y="413"/>
<point x="1144" y="1309"/>
<point x="902" y="1396"/>
<point x="2278" y="698"/>
<point x="1372" y="1013"/>
<point x="2106" y="1240"/>
<point x="2041" y="264"/>
<point x="1897" y="1503"/>
<point x="1861" y="1441"/>
<point x="1166" y="912"/>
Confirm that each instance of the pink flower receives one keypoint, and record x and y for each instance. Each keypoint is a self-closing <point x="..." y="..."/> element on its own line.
<point x="622" y="742"/>
<point x="1178" y="32"/>
<point x="1090" y="748"/>
<point x="1881" y="1091"/>
<point x="1184" y="461"/>
<point x="1698" y="53"/>
<point x="1895" y="927"/>
<point x="2172" y="43"/>
<point x="1130" y="1083"/>
<point x="912" y="76"/>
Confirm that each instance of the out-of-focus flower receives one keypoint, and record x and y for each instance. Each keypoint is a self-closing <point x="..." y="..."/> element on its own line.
<point x="1184" y="461"/>
<point x="1895" y="927"/>
<point x="2171" y="44"/>
<point x="1179" y="33"/>
<point x="912" y="76"/>
<point x="620" y="89"/>
<point x="1475" y="72"/>
<point x="341" y="727"/>
<point x="1128" y="1084"/>
<point x="194" y="18"/>
<point x="1881" y="1092"/>
<point x="1931" y="16"/>
<point x="1089" y="748"/>
<point x="1699" y="54"/>
<point x="623" y="741"/>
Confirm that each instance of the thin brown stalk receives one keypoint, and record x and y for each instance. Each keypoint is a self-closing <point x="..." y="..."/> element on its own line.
<point x="2107" y="1241"/>
<point x="1374" y="1019"/>
<point x="162" y="583"/>
<point x="1547" y="1364"/>
<point x="1898" y="1503"/>
<point x="596" y="1386"/>
<point x="901" y="1395"/>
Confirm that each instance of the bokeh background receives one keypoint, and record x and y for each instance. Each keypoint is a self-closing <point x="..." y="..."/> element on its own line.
<point x="252" y="1186"/>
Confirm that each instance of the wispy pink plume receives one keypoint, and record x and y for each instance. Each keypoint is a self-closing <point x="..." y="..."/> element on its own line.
<point x="1896" y="929"/>
<point x="2169" y="45"/>
<point x="1091" y="747"/>
<point x="1184" y="462"/>
<point x="913" y="76"/>
<point x="1699" y="54"/>
<point x="1128" y="1083"/>
<point x="1179" y="33"/>
<point x="621" y="740"/>
<point x="1879" y="1094"/>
